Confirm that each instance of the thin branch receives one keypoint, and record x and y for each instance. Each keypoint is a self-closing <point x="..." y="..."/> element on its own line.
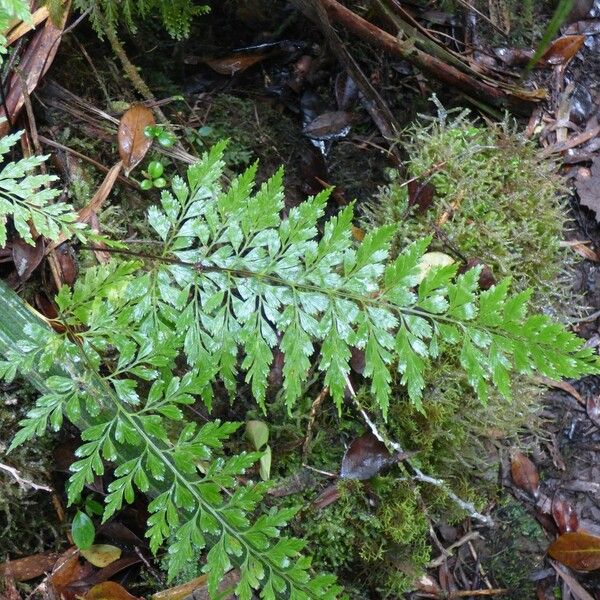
<point x="23" y="483"/>
<point x="469" y="507"/>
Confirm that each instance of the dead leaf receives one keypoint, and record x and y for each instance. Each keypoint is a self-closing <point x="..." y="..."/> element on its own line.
<point x="524" y="473"/>
<point x="588" y="188"/>
<point x="429" y="260"/>
<point x="27" y="257"/>
<point x="358" y="233"/>
<point x="420" y="194"/>
<point x="236" y="63"/>
<point x="133" y="144"/>
<point x="486" y="277"/>
<point x="592" y="408"/>
<point x="563" y="50"/>
<point x="328" y="496"/>
<point x="198" y="589"/>
<point x="576" y="590"/>
<point x="34" y="63"/>
<point x="584" y="250"/>
<point x="68" y="570"/>
<point x="564" y="515"/>
<point x="366" y="457"/>
<point x="578" y="550"/>
<point x="108" y="590"/>
<point x="329" y="126"/>
<point x="561" y="385"/>
<point x="101" y="555"/>
<point x="87" y="213"/>
<point x="30" y="567"/>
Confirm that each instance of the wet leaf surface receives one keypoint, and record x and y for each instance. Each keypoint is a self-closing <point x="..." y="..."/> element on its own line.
<point x="564" y="515"/>
<point x="563" y="49"/>
<point x="329" y="126"/>
<point x="133" y="144"/>
<point x="420" y="195"/>
<point x="578" y="550"/>
<point x="236" y="63"/>
<point x="27" y="257"/>
<point x="524" y="473"/>
<point x="366" y="457"/>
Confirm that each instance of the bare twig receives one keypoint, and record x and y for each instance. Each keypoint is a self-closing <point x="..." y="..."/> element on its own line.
<point x="447" y="552"/>
<point x="23" y="483"/>
<point x="311" y="420"/>
<point x="469" y="507"/>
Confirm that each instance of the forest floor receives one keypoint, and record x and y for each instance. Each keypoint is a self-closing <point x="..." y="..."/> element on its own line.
<point x="266" y="79"/>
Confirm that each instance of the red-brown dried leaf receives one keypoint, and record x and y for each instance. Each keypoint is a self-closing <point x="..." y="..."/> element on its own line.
<point x="564" y="515"/>
<point x="524" y="473"/>
<point x="328" y="496"/>
<point x="366" y="457"/>
<point x="133" y="144"/>
<point x="420" y="195"/>
<point x="578" y="550"/>
<point x="30" y="567"/>
<point x="563" y="49"/>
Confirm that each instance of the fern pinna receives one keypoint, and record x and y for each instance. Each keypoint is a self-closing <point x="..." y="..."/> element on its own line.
<point x="235" y="279"/>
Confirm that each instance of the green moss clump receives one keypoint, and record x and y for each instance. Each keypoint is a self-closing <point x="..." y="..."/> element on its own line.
<point x="495" y="201"/>
<point x="374" y="536"/>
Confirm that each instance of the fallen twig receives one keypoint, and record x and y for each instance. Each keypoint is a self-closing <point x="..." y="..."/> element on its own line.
<point x="23" y="483"/>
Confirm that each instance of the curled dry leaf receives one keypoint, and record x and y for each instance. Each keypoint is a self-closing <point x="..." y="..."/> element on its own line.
<point x="578" y="550"/>
<point x="564" y="515"/>
<point x="524" y="473"/>
<point x="563" y="50"/>
<point x="328" y="496"/>
<point x="133" y="144"/>
<point x="588" y="187"/>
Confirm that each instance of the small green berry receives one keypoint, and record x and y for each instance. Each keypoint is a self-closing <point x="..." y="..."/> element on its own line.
<point x="161" y="182"/>
<point x="146" y="184"/>
<point x="165" y="139"/>
<point x="155" y="169"/>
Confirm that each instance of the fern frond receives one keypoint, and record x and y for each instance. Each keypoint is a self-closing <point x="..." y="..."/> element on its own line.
<point x="235" y="276"/>
<point x="26" y="198"/>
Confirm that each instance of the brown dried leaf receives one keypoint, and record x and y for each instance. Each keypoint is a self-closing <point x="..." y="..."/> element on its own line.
<point x="578" y="550"/>
<point x="30" y="567"/>
<point x="133" y="144"/>
<point x="564" y="515"/>
<point x="588" y="188"/>
<point x="524" y="473"/>
<point x="27" y="257"/>
<point x="328" y="496"/>
<point x="366" y="457"/>
<point x="563" y="49"/>
<point x="420" y="195"/>
<point x="109" y="590"/>
<point x="329" y="126"/>
<point x="236" y="63"/>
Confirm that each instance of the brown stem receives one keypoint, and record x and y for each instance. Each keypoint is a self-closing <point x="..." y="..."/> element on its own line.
<point x="518" y="99"/>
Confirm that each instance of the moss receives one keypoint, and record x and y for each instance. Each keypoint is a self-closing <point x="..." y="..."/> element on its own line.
<point x="495" y="201"/>
<point x="28" y="521"/>
<point x="375" y="536"/>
